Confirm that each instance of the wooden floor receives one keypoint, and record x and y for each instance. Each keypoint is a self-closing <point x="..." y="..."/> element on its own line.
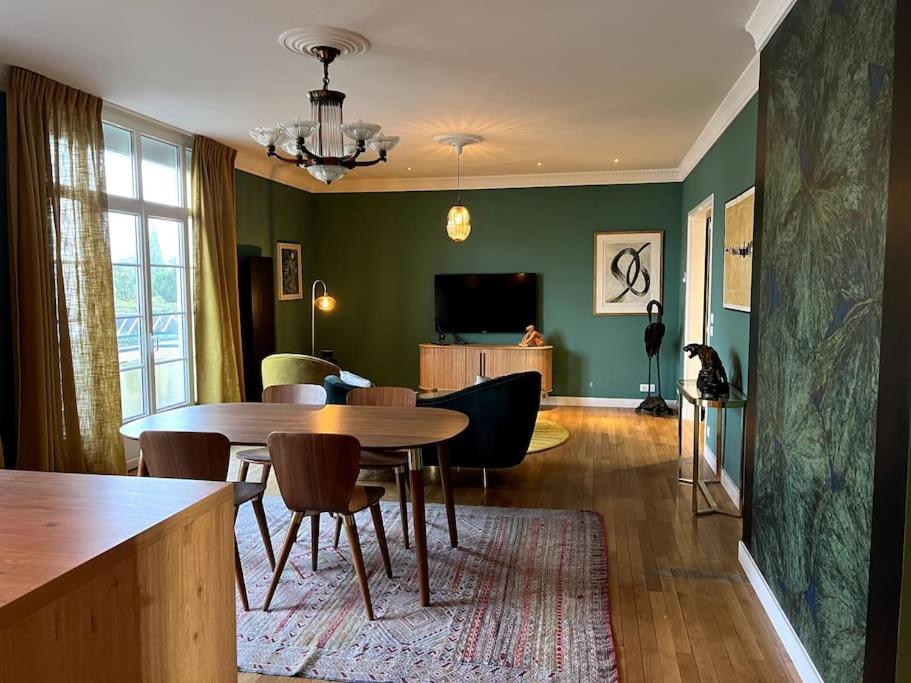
<point x="681" y="607"/>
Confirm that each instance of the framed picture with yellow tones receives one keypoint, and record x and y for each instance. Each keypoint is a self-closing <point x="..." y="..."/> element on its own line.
<point x="738" y="251"/>
<point x="288" y="271"/>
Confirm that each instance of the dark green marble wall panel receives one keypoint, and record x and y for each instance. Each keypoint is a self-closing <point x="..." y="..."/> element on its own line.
<point x="820" y="307"/>
<point x="7" y="393"/>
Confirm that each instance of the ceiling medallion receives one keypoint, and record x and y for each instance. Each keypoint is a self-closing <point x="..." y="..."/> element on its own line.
<point x="324" y="145"/>
<point x="458" y="220"/>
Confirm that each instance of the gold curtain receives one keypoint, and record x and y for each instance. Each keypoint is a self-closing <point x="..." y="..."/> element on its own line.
<point x="219" y="363"/>
<point x="64" y="339"/>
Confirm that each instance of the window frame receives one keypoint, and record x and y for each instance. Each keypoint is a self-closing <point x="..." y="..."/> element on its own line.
<point x="139" y="128"/>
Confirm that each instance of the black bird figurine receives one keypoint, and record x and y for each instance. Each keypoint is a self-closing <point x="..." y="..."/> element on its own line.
<point x="654" y="334"/>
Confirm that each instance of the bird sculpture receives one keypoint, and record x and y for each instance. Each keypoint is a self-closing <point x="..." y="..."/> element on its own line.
<point x="654" y="334"/>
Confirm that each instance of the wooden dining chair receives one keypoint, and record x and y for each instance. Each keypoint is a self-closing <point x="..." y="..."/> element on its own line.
<point x="318" y="473"/>
<point x="205" y="455"/>
<point x="397" y="461"/>
<point x="301" y="394"/>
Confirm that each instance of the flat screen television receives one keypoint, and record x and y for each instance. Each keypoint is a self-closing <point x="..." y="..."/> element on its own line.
<point x="485" y="302"/>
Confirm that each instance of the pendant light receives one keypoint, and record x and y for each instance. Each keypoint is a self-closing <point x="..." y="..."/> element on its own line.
<point x="458" y="220"/>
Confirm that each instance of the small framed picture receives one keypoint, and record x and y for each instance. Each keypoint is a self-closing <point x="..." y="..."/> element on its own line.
<point x="628" y="271"/>
<point x="288" y="271"/>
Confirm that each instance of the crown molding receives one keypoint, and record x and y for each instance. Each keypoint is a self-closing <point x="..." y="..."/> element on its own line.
<point x="766" y="18"/>
<point x="497" y="182"/>
<point x="733" y="103"/>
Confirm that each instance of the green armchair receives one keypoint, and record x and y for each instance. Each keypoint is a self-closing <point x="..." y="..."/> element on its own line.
<point x="296" y="368"/>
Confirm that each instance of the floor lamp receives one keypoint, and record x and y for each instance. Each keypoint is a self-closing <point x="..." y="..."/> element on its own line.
<point x="324" y="303"/>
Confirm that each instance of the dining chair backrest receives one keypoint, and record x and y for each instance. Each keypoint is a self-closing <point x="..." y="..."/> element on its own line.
<point x="394" y="397"/>
<point x="315" y="472"/>
<point x="302" y="394"/>
<point x="186" y="455"/>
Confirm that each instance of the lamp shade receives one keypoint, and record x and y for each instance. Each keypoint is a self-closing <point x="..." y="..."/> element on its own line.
<point x="458" y="223"/>
<point x="324" y="303"/>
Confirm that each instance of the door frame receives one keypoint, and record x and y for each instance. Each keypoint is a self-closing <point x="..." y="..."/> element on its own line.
<point x="695" y="221"/>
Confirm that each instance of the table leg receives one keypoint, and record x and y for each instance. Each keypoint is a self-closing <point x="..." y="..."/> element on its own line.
<point x="679" y="435"/>
<point x="446" y="481"/>
<point x="141" y="467"/>
<point x="416" y="473"/>
<point x="722" y="438"/>
<point x="696" y="411"/>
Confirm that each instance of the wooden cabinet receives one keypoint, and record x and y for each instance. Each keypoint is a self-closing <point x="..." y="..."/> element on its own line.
<point x="456" y="366"/>
<point x="116" y="579"/>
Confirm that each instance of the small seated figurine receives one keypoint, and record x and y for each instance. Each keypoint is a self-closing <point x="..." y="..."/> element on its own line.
<point x="712" y="379"/>
<point x="532" y="337"/>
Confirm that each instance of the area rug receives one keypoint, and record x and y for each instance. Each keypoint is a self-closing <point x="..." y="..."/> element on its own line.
<point x="523" y="598"/>
<point x="547" y="435"/>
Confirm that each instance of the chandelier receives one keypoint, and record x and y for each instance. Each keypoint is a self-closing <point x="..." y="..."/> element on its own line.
<point x="325" y="145"/>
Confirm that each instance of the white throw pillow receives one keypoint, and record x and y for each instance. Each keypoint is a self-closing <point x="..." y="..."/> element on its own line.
<point x="354" y="380"/>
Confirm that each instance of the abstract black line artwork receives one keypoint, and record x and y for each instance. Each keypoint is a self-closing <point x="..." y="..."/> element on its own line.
<point x="627" y="272"/>
<point x="634" y="278"/>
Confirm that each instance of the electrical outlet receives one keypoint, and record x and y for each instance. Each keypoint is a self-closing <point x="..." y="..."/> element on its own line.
<point x="645" y="388"/>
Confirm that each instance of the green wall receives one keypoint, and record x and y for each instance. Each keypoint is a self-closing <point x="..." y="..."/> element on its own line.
<point x="827" y="150"/>
<point x="269" y="212"/>
<point x="379" y="253"/>
<point x="725" y="171"/>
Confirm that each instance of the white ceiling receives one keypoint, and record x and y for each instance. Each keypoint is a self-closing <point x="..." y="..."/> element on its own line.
<point x="569" y="84"/>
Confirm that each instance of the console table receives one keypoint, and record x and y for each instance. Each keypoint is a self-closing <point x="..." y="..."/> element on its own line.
<point x="455" y="366"/>
<point x="687" y="391"/>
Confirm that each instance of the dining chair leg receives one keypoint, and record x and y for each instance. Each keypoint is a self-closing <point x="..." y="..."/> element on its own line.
<point x="291" y="536"/>
<point x="358" y="559"/>
<point x="239" y="577"/>
<point x="242" y="472"/>
<point x="264" y="475"/>
<point x="338" y="531"/>
<point x="448" y="498"/>
<point x="314" y="540"/>
<point x="401" y="477"/>
<point x="377" y="515"/>
<point x="263" y="523"/>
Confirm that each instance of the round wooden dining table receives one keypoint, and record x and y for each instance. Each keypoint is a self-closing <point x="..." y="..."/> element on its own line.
<point x="376" y="427"/>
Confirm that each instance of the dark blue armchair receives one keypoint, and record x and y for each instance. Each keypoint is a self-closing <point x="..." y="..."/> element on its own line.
<point x="501" y="413"/>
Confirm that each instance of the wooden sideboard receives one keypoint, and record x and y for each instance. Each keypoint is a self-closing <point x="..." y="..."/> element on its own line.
<point x="106" y="578"/>
<point x="456" y="366"/>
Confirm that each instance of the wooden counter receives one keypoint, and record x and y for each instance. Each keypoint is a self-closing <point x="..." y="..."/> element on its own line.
<point x="108" y="578"/>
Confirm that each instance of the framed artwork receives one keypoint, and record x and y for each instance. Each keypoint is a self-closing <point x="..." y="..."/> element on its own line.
<point x="738" y="251"/>
<point x="628" y="271"/>
<point x="288" y="265"/>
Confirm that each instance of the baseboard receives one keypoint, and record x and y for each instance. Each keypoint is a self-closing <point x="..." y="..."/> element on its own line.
<point x="596" y="402"/>
<point x="789" y="639"/>
<point x="728" y="484"/>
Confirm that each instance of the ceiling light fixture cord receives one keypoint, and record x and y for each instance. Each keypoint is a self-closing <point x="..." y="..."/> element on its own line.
<point x="458" y="176"/>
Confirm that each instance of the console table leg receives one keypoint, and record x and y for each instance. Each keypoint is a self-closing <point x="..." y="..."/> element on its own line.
<point x="696" y="459"/>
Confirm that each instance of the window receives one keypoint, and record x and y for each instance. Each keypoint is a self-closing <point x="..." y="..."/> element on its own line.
<point x="147" y="177"/>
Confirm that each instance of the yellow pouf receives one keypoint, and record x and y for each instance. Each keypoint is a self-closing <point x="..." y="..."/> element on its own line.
<point x="547" y="435"/>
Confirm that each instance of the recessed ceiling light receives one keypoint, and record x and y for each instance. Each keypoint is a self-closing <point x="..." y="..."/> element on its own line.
<point x="616" y="161"/>
<point x="539" y="163"/>
<point x="409" y="168"/>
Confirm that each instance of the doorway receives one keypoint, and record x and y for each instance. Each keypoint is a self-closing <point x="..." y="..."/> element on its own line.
<point x="698" y="279"/>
